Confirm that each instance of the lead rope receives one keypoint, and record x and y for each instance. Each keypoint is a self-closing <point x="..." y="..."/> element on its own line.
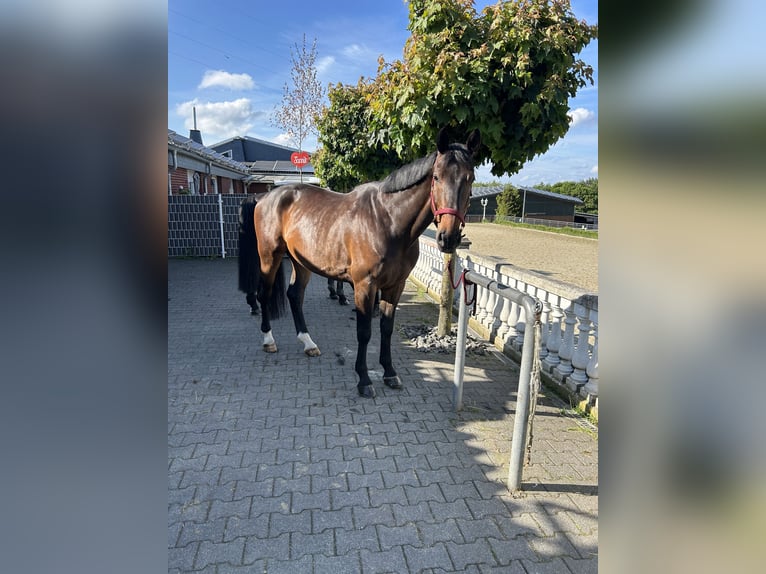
<point x="534" y="382"/>
<point x="466" y="282"/>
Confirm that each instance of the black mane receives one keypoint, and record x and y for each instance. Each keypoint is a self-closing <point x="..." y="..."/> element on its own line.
<point x="408" y="175"/>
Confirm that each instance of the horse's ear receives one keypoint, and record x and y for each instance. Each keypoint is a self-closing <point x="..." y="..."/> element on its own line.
<point x="442" y="141"/>
<point x="474" y="141"/>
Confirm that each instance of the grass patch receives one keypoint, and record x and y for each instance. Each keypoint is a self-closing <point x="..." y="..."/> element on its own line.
<point x="560" y="230"/>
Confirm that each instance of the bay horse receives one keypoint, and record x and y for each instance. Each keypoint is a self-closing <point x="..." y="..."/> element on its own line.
<point x="368" y="237"/>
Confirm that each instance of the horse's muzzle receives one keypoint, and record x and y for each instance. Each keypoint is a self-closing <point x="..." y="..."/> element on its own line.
<point x="447" y="242"/>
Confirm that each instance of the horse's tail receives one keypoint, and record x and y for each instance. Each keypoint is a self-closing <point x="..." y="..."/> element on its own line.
<point x="250" y="261"/>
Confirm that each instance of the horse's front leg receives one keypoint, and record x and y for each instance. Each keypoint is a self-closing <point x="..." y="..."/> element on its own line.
<point x="388" y="302"/>
<point x="364" y="300"/>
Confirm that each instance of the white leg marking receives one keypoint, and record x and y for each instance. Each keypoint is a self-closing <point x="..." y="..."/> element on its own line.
<point x="268" y="339"/>
<point x="308" y="344"/>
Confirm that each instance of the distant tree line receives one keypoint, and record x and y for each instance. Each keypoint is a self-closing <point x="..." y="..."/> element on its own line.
<point x="587" y="190"/>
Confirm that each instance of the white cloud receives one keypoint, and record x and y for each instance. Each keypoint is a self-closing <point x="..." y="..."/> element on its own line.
<point x="325" y="64"/>
<point x="594" y="169"/>
<point x="579" y="116"/>
<point x="224" y="79"/>
<point x="219" y="120"/>
<point x="356" y="52"/>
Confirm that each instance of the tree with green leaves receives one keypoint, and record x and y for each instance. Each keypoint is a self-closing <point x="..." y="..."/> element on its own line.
<point x="587" y="190"/>
<point x="346" y="157"/>
<point x="508" y="71"/>
<point x="302" y="102"/>
<point x="509" y="202"/>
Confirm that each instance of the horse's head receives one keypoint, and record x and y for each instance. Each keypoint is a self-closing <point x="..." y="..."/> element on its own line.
<point x="451" y="188"/>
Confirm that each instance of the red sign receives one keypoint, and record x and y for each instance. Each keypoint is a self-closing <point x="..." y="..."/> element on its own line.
<point x="300" y="159"/>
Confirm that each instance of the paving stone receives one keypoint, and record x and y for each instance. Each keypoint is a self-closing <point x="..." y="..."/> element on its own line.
<point x="267" y="548"/>
<point x="398" y="536"/>
<point x="384" y="562"/>
<point x="478" y="552"/>
<point x="350" y="539"/>
<point x="225" y="552"/>
<point x="349" y="563"/>
<point x="447" y="531"/>
<point x="435" y="556"/>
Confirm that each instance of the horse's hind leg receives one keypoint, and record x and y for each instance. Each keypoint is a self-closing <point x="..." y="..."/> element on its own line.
<point x="295" y="293"/>
<point x="342" y="300"/>
<point x="388" y="301"/>
<point x="331" y="288"/>
<point x="364" y="297"/>
<point x="252" y="300"/>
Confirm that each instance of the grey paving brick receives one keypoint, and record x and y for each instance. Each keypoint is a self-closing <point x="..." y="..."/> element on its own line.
<point x="408" y="477"/>
<point x="398" y="536"/>
<point x="418" y="512"/>
<point x="303" y="565"/>
<point x="443" y="511"/>
<point x="285" y="523"/>
<point x="221" y="509"/>
<point x="349" y="563"/>
<point x="196" y="512"/>
<point x="589" y="566"/>
<point x="506" y="551"/>
<point x="225" y="552"/>
<point x="300" y="484"/>
<point x="356" y="498"/>
<point x="182" y="558"/>
<point x="417" y="494"/>
<point x="432" y="532"/>
<point x="351" y="539"/>
<point x="370" y="480"/>
<point x="477" y="552"/>
<point x="384" y="562"/>
<point x="393" y="495"/>
<point x="379" y="515"/>
<point x="322" y="520"/>
<point x="435" y="556"/>
<point x="237" y="527"/>
<point x="311" y="544"/>
<point x="463" y="491"/>
<point x="201" y="531"/>
<point x="472" y="529"/>
<point x="261" y="505"/>
<point x="266" y="548"/>
<point x="302" y="501"/>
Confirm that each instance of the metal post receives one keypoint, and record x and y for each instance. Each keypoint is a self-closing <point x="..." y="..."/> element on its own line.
<point x="220" y="218"/>
<point x="521" y="417"/>
<point x="462" y="333"/>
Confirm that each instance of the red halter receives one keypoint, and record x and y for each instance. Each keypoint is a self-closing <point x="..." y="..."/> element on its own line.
<point x="444" y="210"/>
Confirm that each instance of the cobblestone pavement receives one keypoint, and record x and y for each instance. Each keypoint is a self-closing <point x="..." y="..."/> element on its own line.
<point x="276" y="465"/>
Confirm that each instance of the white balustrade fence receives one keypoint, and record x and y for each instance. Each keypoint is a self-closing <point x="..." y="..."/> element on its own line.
<point x="569" y="317"/>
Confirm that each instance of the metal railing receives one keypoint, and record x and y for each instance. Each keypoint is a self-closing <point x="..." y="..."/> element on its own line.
<point x="525" y="395"/>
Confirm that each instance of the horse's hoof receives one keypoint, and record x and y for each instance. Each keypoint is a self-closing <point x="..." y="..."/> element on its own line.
<point x="272" y="348"/>
<point x="254" y="312"/>
<point x="315" y="352"/>
<point x="333" y="296"/>
<point x="393" y="382"/>
<point x="366" y="391"/>
<point x="343" y="301"/>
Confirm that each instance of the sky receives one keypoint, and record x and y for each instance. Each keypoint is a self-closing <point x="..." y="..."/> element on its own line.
<point x="231" y="59"/>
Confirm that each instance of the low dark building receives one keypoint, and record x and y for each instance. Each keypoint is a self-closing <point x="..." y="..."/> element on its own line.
<point x="539" y="204"/>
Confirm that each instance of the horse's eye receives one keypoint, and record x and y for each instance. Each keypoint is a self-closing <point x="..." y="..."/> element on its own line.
<point x="436" y="177"/>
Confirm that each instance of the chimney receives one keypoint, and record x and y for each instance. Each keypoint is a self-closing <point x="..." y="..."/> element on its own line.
<point x="195" y="134"/>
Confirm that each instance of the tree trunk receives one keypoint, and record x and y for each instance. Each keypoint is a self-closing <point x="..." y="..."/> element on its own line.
<point x="444" y="326"/>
